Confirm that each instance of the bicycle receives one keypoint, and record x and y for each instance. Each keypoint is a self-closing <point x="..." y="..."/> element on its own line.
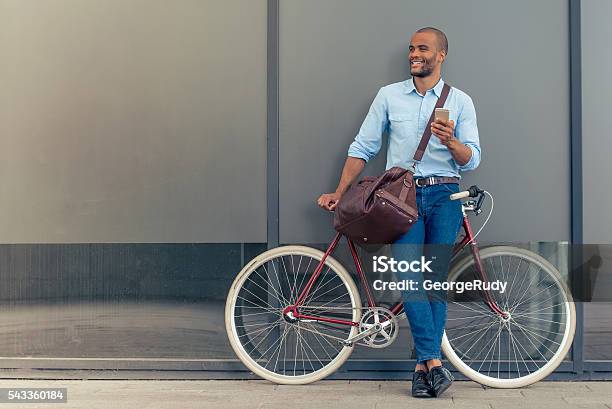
<point x="294" y="314"/>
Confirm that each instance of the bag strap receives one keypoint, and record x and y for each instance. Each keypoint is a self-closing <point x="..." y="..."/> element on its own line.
<point x="418" y="155"/>
<point x="406" y="185"/>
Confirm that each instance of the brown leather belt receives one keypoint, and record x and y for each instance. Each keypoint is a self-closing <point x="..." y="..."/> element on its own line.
<point x="434" y="180"/>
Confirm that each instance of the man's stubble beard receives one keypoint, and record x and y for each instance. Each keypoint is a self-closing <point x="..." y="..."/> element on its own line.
<point x="426" y="71"/>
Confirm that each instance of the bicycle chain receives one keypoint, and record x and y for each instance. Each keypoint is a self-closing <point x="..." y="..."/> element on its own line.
<point x="342" y="340"/>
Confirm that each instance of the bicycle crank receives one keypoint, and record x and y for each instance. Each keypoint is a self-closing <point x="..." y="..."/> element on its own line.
<point x="358" y="337"/>
<point x="378" y="328"/>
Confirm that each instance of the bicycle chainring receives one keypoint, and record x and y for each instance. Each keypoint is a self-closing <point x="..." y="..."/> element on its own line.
<point x="389" y="331"/>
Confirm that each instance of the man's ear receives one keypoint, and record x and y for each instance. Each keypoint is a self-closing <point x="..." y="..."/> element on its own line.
<point x="442" y="55"/>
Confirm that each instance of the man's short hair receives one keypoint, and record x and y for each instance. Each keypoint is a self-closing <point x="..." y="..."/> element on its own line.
<point x="440" y="36"/>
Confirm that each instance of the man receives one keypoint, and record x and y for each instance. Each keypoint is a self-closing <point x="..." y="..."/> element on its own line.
<point x="403" y="110"/>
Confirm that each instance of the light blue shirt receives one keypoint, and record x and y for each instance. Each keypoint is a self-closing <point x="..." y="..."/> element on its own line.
<point x="401" y="112"/>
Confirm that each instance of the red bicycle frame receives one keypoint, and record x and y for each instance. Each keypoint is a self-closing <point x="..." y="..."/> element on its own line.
<point x="398" y="308"/>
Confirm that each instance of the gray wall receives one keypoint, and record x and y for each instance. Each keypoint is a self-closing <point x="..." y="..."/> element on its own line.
<point x="596" y="109"/>
<point x="132" y="121"/>
<point x="597" y="167"/>
<point x="510" y="57"/>
<point x="144" y="121"/>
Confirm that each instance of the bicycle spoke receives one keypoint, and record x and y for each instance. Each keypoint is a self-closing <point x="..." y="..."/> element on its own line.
<point x="484" y="331"/>
<point x="512" y="285"/>
<point x="485" y="312"/>
<point x="338" y="297"/>
<point x="531" y="297"/>
<point x="305" y="342"/>
<point x="487" y="325"/>
<point x="278" y="294"/>
<point x="511" y="338"/>
<point x="318" y="339"/>
<point x="531" y="342"/>
<point x="250" y="334"/>
<point x="535" y="334"/>
<point x="280" y="287"/>
<point x="465" y="318"/>
<point x="266" y="290"/>
<point x="305" y="272"/>
<point x="269" y="331"/>
<point x="280" y="346"/>
<point x="525" y="291"/>
<point x="270" y="310"/>
<point x="492" y="345"/>
<point x="263" y="354"/>
<point x="319" y="285"/>
<point x="251" y="325"/>
<point x="541" y="319"/>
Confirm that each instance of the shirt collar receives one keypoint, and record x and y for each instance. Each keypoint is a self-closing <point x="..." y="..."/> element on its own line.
<point x="409" y="87"/>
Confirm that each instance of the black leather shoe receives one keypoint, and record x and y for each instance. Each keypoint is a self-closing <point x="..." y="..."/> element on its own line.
<point x="440" y="379"/>
<point x="421" y="388"/>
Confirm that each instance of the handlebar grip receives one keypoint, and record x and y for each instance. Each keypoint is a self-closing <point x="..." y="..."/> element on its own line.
<point x="473" y="191"/>
<point x="460" y="195"/>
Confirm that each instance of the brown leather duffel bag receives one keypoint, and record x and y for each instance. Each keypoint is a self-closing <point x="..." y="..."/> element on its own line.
<point x="379" y="210"/>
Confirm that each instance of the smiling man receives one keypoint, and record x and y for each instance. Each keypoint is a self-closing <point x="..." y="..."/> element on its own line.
<point x="402" y="110"/>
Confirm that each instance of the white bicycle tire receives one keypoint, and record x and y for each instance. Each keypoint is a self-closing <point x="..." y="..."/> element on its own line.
<point x="246" y="359"/>
<point x="566" y="342"/>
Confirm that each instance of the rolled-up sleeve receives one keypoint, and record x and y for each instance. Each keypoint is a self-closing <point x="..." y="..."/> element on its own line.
<point x="467" y="133"/>
<point x="368" y="141"/>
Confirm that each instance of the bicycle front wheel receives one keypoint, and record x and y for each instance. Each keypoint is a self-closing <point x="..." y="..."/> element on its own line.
<point x="275" y="345"/>
<point x="528" y="344"/>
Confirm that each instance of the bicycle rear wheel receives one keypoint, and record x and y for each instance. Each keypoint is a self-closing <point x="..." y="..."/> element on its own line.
<point x="276" y="346"/>
<point x="523" y="348"/>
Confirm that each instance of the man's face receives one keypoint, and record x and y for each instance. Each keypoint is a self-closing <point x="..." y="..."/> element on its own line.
<point x="424" y="55"/>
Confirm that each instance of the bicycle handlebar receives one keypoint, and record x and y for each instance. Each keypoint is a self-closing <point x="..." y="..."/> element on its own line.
<point x="473" y="191"/>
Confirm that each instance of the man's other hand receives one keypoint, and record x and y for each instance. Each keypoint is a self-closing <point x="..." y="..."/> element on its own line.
<point x="329" y="201"/>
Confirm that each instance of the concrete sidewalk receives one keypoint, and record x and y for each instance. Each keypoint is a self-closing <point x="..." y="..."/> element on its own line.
<point x="115" y="394"/>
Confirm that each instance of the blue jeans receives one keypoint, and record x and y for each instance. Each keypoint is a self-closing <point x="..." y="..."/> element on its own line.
<point x="432" y="236"/>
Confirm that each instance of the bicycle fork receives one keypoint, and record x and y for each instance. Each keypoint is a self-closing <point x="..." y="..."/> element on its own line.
<point x="489" y="301"/>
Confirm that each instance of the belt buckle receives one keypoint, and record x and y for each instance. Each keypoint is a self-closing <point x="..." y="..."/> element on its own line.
<point x="426" y="181"/>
